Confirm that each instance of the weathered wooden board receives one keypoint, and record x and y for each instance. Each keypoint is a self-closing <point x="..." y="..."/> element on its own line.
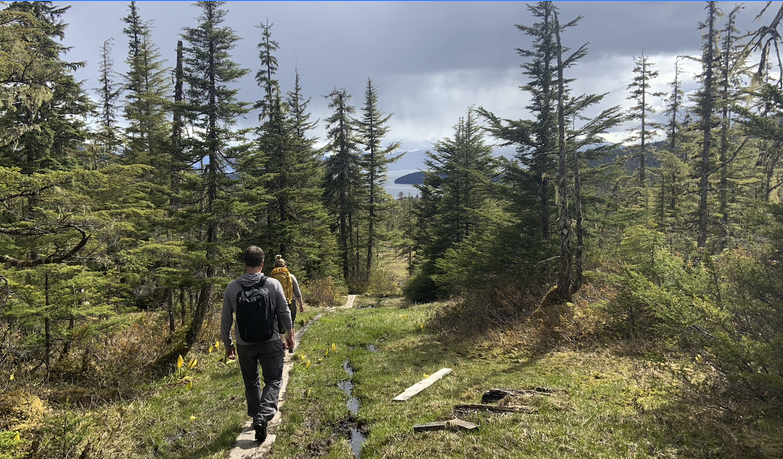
<point x="495" y="395"/>
<point x="453" y="424"/>
<point x="423" y="384"/>
<point x="495" y="408"/>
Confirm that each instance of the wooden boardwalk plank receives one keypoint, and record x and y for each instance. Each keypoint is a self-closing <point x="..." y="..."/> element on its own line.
<point x="423" y="384"/>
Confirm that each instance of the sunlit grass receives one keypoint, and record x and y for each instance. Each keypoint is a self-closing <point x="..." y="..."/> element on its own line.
<point x="602" y="405"/>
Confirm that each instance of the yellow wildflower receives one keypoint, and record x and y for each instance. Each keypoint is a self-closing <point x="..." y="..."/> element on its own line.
<point x="308" y="364"/>
<point x="334" y="348"/>
<point x="12" y="377"/>
<point x="180" y="361"/>
<point x="190" y="385"/>
<point x="217" y="344"/>
<point x="192" y="418"/>
<point x="211" y="348"/>
<point x="426" y="375"/>
<point x="192" y="364"/>
<point x="17" y="437"/>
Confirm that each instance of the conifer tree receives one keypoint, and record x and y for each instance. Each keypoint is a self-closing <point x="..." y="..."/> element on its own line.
<point x="213" y="110"/>
<point x="147" y="93"/>
<point x="374" y="161"/>
<point x="52" y="132"/>
<point x="641" y="110"/>
<point x="454" y="193"/>
<point x="342" y="183"/>
<point x="531" y="174"/>
<point x="108" y="138"/>
<point x="314" y="243"/>
<point x="570" y="276"/>
<point x="706" y="97"/>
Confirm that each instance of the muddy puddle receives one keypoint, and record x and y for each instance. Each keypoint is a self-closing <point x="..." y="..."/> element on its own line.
<point x="357" y="437"/>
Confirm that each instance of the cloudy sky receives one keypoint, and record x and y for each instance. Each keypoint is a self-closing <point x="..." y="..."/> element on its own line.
<point x="430" y="61"/>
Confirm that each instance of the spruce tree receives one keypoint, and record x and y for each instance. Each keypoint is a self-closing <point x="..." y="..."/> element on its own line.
<point x="531" y="174"/>
<point x="342" y="182"/>
<point x="454" y="194"/>
<point x="147" y="87"/>
<point x="371" y="129"/>
<point x="641" y="111"/>
<point x="213" y="109"/>
<point x="52" y="132"/>
<point x="108" y="135"/>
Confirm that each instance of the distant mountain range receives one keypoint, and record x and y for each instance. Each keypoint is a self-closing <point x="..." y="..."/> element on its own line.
<point x="414" y="160"/>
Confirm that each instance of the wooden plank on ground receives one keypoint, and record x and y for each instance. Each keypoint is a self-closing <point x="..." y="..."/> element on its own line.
<point x="423" y="384"/>
<point x="453" y="424"/>
<point x="495" y="408"/>
<point x="495" y="395"/>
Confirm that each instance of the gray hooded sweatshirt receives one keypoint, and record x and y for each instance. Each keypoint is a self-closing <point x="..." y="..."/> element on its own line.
<point x="276" y="297"/>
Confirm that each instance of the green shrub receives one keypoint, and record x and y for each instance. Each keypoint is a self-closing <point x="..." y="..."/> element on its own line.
<point x="321" y="292"/>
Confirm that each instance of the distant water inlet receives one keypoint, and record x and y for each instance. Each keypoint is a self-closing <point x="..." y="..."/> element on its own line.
<point x="357" y="437"/>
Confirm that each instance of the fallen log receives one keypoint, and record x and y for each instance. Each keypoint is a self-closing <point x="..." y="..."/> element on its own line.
<point x="495" y="408"/>
<point x="495" y="395"/>
<point x="453" y="424"/>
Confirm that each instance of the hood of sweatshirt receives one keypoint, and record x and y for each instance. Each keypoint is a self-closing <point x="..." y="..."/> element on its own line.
<point x="249" y="280"/>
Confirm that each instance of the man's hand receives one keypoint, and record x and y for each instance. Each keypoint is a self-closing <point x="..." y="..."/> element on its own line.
<point x="230" y="354"/>
<point x="289" y="339"/>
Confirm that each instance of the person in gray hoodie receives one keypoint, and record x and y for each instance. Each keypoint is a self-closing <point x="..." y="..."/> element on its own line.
<point x="261" y="404"/>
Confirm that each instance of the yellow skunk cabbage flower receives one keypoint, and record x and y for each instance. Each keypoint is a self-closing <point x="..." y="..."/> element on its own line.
<point x="217" y="344"/>
<point x="17" y="437"/>
<point x="422" y="326"/>
<point x="180" y="361"/>
<point x="190" y="385"/>
<point x="308" y="364"/>
<point x="211" y="348"/>
<point x="326" y="353"/>
<point x="426" y="375"/>
<point x="192" y="364"/>
<point x="192" y="418"/>
<point x="334" y="348"/>
<point x="12" y="378"/>
<point x="698" y="358"/>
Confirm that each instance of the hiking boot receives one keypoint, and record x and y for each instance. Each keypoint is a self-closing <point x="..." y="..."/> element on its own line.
<point x="259" y="425"/>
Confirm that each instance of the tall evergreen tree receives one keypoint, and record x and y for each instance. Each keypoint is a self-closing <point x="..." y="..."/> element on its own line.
<point x="213" y="110"/>
<point x="706" y="97"/>
<point x="531" y="174"/>
<point x="147" y="93"/>
<point x="640" y="112"/>
<point x="342" y="183"/>
<point x="108" y="135"/>
<point x="454" y="193"/>
<point x="52" y="132"/>
<point x="374" y="161"/>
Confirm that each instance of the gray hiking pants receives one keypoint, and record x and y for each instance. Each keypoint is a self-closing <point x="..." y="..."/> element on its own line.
<point x="270" y="356"/>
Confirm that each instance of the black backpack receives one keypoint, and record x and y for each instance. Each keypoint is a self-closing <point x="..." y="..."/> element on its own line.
<point x="256" y="319"/>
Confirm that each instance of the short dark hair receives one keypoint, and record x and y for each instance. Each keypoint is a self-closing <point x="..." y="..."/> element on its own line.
<point x="253" y="256"/>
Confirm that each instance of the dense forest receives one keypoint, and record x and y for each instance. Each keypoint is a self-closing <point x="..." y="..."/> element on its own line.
<point x="141" y="197"/>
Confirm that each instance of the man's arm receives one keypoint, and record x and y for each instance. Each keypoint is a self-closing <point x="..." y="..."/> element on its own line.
<point x="297" y="293"/>
<point x="226" y="321"/>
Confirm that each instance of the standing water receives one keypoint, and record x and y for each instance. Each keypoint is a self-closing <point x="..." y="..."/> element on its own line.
<point x="357" y="437"/>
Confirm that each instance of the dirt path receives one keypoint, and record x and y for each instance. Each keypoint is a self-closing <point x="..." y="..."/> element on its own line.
<point x="246" y="446"/>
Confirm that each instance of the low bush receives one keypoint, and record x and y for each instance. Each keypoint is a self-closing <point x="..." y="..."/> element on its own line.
<point x="321" y="292"/>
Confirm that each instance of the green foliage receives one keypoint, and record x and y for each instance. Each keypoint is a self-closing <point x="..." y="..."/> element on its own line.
<point x="321" y="292"/>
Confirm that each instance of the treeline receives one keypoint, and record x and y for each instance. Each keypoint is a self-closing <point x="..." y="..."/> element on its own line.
<point x="144" y="196"/>
<point x="684" y="232"/>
